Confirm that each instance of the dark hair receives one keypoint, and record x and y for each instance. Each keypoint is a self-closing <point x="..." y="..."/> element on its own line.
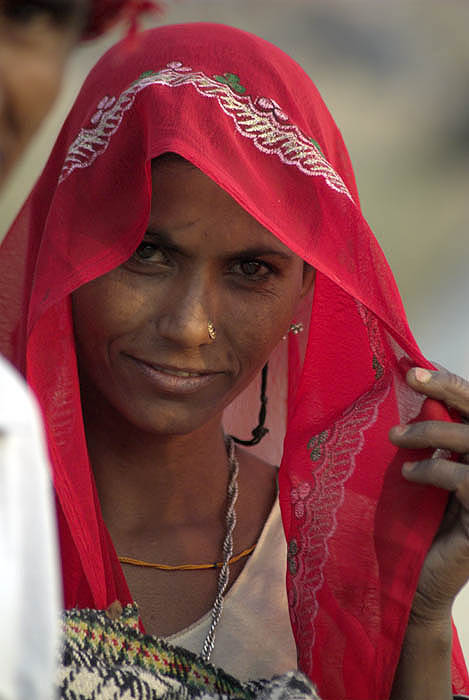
<point x="168" y="158"/>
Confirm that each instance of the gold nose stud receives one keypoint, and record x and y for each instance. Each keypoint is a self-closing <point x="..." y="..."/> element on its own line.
<point x="211" y="331"/>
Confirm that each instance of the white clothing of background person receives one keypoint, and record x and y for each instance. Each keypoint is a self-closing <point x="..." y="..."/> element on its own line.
<point x="29" y="570"/>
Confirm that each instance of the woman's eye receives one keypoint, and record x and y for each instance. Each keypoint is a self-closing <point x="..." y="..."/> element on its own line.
<point x="250" y="268"/>
<point x="148" y="251"/>
<point x="254" y="269"/>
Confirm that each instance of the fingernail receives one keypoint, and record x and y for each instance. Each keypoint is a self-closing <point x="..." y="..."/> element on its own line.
<point x="407" y="467"/>
<point x="400" y="429"/>
<point x="422" y="375"/>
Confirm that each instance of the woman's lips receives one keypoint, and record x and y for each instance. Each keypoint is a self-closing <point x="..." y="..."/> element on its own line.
<point x="173" y="380"/>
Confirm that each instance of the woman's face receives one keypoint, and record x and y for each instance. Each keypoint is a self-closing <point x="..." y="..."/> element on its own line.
<point x="142" y="330"/>
<point x="35" y="39"/>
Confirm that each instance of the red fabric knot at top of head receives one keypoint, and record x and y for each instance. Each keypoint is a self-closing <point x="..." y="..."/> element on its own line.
<point x="105" y="13"/>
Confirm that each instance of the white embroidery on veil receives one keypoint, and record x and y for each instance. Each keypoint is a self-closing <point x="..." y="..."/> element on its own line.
<point x="260" y="119"/>
<point x="334" y="455"/>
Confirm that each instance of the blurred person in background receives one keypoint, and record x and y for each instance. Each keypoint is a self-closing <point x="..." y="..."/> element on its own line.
<point x="36" y="36"/>
<point x="197" y="184"/>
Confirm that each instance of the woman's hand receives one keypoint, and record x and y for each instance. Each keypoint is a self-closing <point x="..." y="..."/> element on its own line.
<point x="446" y="567"/>
<point x="424" y="667"/>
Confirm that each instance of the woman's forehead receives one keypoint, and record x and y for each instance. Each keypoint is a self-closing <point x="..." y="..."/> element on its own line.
<point x="189" y="208"/>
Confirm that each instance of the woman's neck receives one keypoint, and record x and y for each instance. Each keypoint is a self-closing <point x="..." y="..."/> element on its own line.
<point x="153" y="481"/>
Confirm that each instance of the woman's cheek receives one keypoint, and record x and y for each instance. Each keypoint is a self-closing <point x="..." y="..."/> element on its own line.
<point x="261" y="334"/>
<point x="108" y="304"/>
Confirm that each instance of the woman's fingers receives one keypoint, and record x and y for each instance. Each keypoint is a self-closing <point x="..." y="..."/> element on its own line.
<point x="446" y="567"/>
<point x="436" y="434"/>
<point x="451" y="476"/>
<point x="454" y="392"/>
<point x="442" y="385"/>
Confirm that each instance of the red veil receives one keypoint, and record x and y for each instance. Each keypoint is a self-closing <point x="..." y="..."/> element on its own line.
<point x="249" y="117"/>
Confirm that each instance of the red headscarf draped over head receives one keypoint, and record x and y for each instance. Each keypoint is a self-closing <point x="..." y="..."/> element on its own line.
<point x="252" y="120"/>
<point x="104" y="13"/>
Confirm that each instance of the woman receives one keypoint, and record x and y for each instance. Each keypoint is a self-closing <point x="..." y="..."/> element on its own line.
<point x="154" y="289"/>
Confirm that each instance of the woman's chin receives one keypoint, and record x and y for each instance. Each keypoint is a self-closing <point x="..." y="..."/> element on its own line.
<point x="159" y="421"/>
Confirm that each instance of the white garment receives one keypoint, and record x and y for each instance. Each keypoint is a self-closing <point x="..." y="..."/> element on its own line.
<point x="253" y="637"/>
<point x="29" y="578"/>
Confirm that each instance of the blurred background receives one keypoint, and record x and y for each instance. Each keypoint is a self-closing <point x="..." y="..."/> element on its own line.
<point x="395" y="76"/>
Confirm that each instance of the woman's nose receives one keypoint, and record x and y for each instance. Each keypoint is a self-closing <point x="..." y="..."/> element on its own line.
<point x="188" y="319"/>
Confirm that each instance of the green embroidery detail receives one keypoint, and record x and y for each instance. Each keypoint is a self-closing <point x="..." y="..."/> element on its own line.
<point x="232" y="80"/>
<point x="316" y="445"/>
<point x="145" y="74"/>
<point x="291" y="557"/>
<point x="378" y="367"/>
<point x="315" y="143"/>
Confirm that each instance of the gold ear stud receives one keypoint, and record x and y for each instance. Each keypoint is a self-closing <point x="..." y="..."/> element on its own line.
<point x="211" y="331"/>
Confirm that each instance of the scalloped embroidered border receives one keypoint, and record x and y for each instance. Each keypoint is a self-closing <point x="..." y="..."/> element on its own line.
<point x="251" y="118"/>
<point x="336" y="465"/>
<point x="374" y="334"/>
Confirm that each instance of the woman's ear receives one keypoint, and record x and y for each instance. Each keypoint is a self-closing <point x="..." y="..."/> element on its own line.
<point x="309" y="277"/>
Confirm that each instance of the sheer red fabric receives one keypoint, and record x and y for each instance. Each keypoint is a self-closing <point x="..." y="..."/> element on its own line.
<point x="251" y="119"/>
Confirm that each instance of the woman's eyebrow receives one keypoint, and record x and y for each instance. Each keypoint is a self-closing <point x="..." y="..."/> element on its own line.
<point x="163" y="238"/>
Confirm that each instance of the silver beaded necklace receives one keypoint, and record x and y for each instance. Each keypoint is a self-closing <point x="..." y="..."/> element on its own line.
<point x="224" y="574"/>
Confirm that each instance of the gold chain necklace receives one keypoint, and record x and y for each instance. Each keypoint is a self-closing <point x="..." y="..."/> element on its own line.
<point x="186" y="567"/>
